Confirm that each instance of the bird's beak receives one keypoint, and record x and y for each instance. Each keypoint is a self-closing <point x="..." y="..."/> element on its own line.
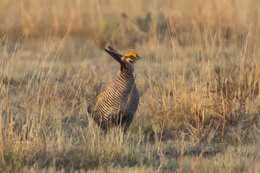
<point x="138" y="57"/>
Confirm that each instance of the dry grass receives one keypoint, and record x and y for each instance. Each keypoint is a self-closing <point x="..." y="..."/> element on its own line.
<point x="198" y="80"/>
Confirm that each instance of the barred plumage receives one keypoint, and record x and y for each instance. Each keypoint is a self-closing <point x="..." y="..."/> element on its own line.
<point x="117" y="104"/>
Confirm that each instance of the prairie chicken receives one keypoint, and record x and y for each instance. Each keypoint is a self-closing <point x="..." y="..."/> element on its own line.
<point x="117" y="104"/>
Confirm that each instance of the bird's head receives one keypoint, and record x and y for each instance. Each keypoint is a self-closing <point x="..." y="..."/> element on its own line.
<point x="130" y="58"/>
<point x="126" y="61"/>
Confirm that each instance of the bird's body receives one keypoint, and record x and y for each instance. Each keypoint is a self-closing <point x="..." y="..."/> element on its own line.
<point x="117" y="103"/>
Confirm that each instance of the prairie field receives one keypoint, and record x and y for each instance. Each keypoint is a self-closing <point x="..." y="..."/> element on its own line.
<point x="199" y="82"/>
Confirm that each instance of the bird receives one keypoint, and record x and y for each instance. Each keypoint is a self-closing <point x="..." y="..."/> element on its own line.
<point x="117" y="104"/>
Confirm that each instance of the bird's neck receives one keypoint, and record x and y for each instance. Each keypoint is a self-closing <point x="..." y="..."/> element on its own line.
<point x="127" y="71"/>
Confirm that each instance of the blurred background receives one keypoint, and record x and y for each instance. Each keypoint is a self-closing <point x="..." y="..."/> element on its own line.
<point x="128" y="23"/>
